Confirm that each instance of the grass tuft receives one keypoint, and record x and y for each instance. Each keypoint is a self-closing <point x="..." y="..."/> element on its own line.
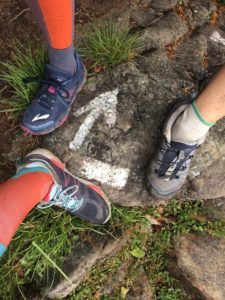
<point x="107" y="46"/>
<point x="46" y="237"/>
<point x="42" y="242"/>
<point x="104" y="47"/>
<point x="25" y="62"/>
<point x="148" y="248"/>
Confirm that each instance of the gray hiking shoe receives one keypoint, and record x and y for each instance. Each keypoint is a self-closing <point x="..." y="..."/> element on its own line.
<point x="169" y="168"/>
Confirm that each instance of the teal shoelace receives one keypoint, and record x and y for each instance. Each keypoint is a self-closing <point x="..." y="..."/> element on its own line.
<point x="64" y="200"/>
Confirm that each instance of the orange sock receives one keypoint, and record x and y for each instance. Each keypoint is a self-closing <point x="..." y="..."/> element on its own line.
<point x="17" y="197"/>
<point x="58" y="17"/>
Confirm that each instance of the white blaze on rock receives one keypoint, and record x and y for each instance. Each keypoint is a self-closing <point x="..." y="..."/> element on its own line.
<point x="105" y="173"/>
<point x="104" y="104"/>
<point x="216" y="37"/>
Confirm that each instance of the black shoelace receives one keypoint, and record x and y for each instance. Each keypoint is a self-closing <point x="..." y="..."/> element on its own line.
<point x="47" y="102"/>
<point x="180" y="163"/>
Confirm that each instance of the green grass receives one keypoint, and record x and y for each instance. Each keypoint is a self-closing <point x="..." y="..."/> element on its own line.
<point x="107" y="46"/>
<point x="103" y="47"/>
<point x="26" y="62"/>
<point x="46" y="237"/>
<point x="148" y="249"/>
<point x="48" y="231"/>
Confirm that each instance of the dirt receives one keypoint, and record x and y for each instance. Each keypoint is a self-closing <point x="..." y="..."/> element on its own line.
<point x="18" y="24"/>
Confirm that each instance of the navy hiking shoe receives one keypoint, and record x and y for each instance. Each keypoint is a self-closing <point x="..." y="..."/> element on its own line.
<point x="79" y="197"/>
<point x="52" y="104"/>
<point x="170" y="166"/>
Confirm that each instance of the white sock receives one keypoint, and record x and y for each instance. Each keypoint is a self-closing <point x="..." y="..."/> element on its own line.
<point x="190" y="126"/>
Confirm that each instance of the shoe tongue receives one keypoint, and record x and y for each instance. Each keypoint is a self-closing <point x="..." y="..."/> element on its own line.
<point x="182" y="146"/>
<point x="56" y="74"/>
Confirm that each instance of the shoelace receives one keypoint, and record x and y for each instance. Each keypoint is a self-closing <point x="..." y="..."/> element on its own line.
<point x="179" y="158"/>
<point x="64" y="200"/>
<point x="47" y="101"/>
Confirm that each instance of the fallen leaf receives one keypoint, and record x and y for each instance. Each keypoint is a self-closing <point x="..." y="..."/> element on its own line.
<point x="138" y="252"/>
<point x="124" y="292"/>
<point x="153" y="220"/>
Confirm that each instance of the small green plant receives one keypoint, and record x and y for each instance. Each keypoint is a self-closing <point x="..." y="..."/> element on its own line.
<point x="148" y="249"/>
<point x="26" y="62"/>
<point x="222" y="2"/>
<point x="41" y="243"/>
<point x="106" y="46"/>
<point x="46" y="238"/>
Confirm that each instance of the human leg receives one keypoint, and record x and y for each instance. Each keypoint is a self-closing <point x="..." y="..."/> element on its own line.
<point x="185" y="130"/>
<point x="18" y="196"/>
<point x="42" y="177"/>
<point x="65" y="73"/>
<point x="56" y="20"/>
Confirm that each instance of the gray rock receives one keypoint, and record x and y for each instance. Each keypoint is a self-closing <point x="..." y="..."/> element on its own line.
<point x="141" y="289"/>
<point x="201" y="260"/>
<point x="163" y="5"/>
<point x="144" y="16"/>
<point x="191" y="54"/>
<point x="198" y="12"/>
<point x="210" y="182"/>
<point x="214" y="209"/>
<point x="142" y="105"/>
<point x="166" y="30"/>
<point x="85" y="254"/>
<point x="116" y="280"/>
<point x="207" y="174"/>
<point x="148" y="88"/>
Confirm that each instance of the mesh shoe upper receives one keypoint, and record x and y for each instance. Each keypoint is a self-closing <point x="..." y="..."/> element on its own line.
<point x="70" y="192"/>
<point x="52" y="104"/>
<point x="169" y="168"/>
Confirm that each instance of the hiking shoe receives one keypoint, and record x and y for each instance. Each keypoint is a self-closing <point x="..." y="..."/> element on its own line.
<point x="81" y="198"/>
<point x="52" y="104"/>
<point x="169" y="168"/>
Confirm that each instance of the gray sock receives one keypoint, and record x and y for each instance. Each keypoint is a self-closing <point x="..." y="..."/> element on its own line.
<point x="62" y="59"/>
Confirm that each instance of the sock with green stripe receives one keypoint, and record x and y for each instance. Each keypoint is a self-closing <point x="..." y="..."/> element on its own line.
<point x="190" y="126"/>
<point x="18" y="196"/>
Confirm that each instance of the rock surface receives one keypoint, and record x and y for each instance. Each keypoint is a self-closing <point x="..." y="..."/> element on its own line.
<point x="141" y="289"/>
<point x="85" y="254"/>
<point x="214" y="209"/>
<point x="202" y="262"/>
<point x="177" y="52"/>
<point x="148" y="88"/>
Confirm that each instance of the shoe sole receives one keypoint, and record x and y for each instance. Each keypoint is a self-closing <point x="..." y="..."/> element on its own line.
<point x="53" y="157"/>
<point x="63" y="120"/>
<point x="152" y="191"/>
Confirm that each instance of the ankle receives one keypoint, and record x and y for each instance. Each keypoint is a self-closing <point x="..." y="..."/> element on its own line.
<point x="63" y="59"/>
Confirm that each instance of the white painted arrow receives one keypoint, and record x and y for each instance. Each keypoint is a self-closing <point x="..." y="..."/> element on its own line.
<point x="104" y="104"/>
<point x="216" y="37"/>
<point x="105" y="173"/>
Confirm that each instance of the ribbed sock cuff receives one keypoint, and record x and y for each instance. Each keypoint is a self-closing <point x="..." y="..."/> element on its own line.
<point x="200" y="117"/>
<point x="2" y="249"/>
<point x="30" y="170"/>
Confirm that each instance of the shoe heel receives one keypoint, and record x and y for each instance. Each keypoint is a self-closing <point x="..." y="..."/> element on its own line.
<point x="49" y="155"/>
